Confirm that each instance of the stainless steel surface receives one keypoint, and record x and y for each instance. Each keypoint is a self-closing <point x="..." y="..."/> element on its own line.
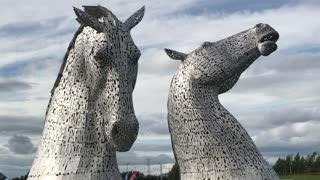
<point x="208" y="142"/>
<point x="90" y="115"/>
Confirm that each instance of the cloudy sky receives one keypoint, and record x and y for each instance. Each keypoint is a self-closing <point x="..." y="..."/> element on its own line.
<point x="277" y="99"/>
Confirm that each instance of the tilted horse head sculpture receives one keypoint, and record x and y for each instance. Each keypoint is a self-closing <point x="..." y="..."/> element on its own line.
<point x="90" y="115"/>
<point x="208" y="142"/>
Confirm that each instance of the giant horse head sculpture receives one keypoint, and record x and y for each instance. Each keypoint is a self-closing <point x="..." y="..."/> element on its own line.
<point x="90" y="115"/>
<point x="221" y="63"/>
<point x="208" y="142"/>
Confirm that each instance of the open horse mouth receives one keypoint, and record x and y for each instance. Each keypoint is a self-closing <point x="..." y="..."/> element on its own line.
<point x="267" y="44"/>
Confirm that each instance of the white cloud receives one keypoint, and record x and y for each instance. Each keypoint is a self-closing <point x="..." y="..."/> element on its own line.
<point x="295" y="135"/>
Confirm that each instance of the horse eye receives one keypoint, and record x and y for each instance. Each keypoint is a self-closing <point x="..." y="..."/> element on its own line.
<point x="101" y="59"/>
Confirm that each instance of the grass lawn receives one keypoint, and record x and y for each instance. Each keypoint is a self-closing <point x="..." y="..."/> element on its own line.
<point x="301" y="177"/>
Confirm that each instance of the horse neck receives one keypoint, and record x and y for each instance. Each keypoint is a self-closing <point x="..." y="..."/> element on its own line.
<point x="191" y="94"/>
<point x="77" y="97"/>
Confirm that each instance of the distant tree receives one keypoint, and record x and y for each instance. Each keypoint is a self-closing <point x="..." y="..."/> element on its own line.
<point x="313" y="166"/>
<point x="310" y="161"/>
<point x="298" y="164"/>
<point x="296" y="167"/>
<point x="288" y="164"/>
<point x="21" y="177"/>
<point x="280" y="166"/>
<point x="2" y="176"/>
<point x="174" y="173"/>
<point x="303" y="164"/>
<point x="317" y="163"/>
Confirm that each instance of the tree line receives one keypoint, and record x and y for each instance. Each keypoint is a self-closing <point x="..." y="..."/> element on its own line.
<point x="3" y="177"/>
<point x="297" y="164"/>
<point x="291" y="164"/>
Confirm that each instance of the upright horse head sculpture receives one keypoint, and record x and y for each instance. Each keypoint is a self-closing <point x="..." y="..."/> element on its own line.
<point x="90" y="115"/>
<point x="208" y="142"/>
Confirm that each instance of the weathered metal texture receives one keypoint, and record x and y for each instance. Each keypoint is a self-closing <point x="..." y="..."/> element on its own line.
<point x="90" y="115"/>
<point x="208" y="142"/>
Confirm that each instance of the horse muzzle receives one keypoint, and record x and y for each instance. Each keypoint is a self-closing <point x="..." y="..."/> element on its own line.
<point x="124" y="133"/>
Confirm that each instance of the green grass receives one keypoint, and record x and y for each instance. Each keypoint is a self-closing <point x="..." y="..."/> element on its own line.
<point x="301" y="177"/>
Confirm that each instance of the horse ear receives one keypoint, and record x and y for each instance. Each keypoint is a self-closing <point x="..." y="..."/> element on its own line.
<point x="135" y="18"/>
<point x="100" y="11"/>
<point x="86" y="19"/>
<point x="176" y="55"/>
